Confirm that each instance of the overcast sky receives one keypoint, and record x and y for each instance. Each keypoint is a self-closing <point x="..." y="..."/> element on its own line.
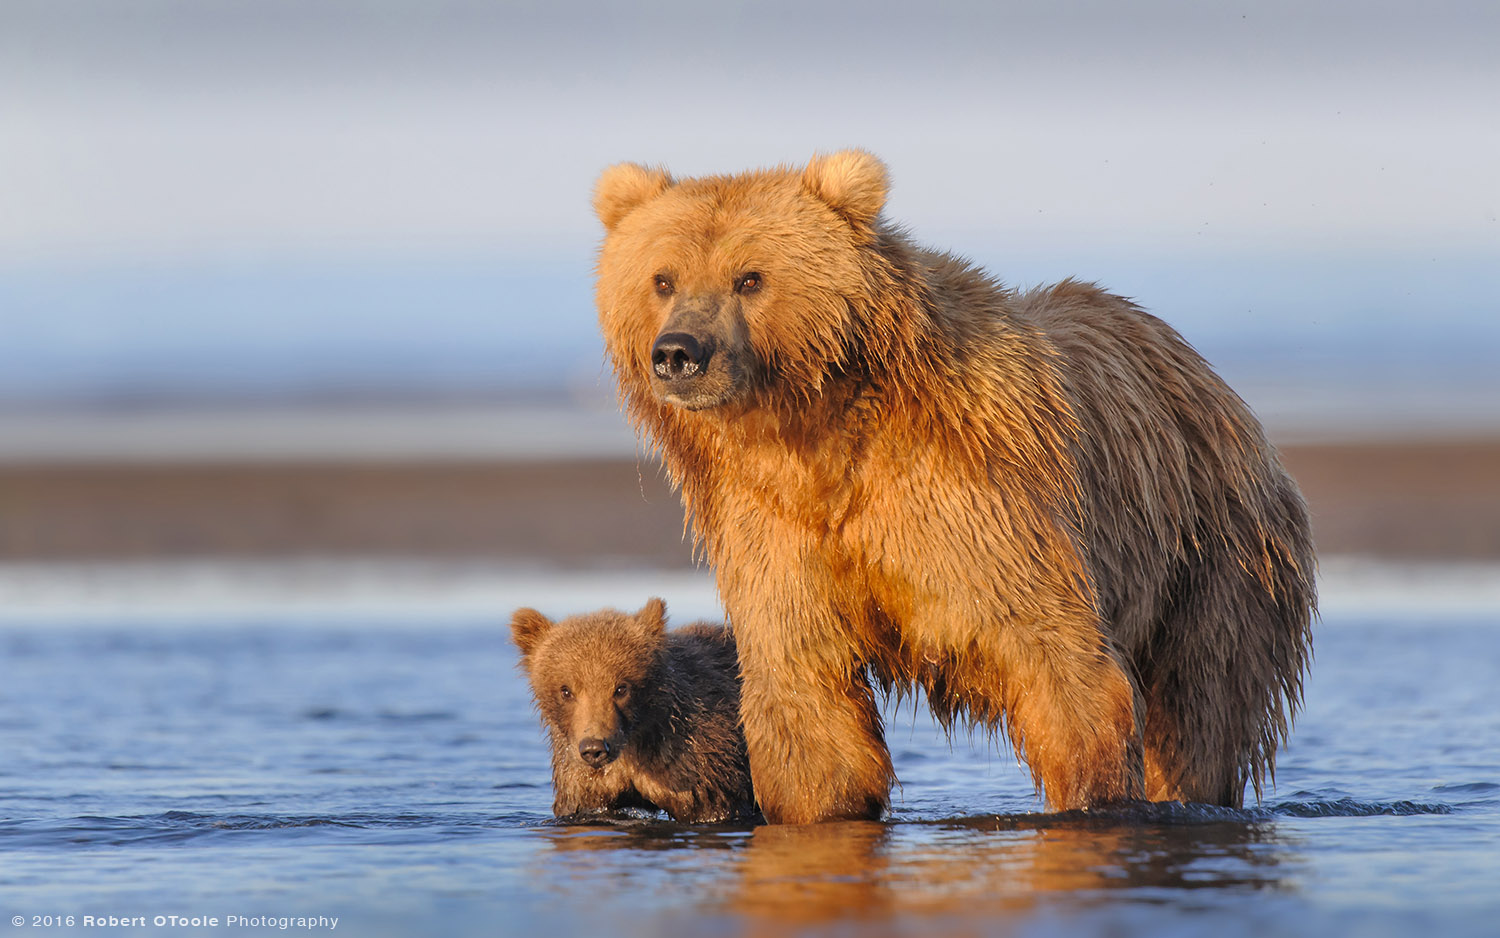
<point x="182" y="128"/>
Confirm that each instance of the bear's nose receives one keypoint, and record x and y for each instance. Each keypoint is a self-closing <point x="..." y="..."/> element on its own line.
<point x="678" y="355"/>
<point x="594" y="751"/>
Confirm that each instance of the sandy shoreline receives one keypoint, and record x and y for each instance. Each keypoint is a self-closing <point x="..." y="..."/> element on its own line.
<point x="1429" y="500"/>
<point x="1426" y="500"/>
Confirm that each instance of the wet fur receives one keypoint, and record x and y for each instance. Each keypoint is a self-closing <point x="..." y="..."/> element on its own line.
<point x="675" y="735"/>
<point x="1042" y="508"/>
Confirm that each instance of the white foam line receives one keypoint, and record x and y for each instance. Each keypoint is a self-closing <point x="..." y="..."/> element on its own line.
<point x="374" y="591"/>
<point x="1361" y="587"/>
<point x="329" y="591"/>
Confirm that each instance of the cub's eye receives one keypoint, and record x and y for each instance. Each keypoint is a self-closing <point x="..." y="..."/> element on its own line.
<point x="621" y="692"/>
<point x="663" y="285"/>
<point x="567" y="692"/>
<point x="748" y="283"/>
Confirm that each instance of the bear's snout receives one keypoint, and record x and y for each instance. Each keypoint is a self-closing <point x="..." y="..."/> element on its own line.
<point x="594" y="751"/>
<point x="677" y="355"/>
<point x="699" y="355"/>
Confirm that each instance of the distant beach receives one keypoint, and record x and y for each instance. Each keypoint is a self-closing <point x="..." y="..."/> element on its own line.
<point x="564" y="488"/>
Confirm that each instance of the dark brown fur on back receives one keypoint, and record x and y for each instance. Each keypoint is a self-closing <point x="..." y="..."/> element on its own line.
<point x="658" y="710"/>
<point x="1042" y="508"/>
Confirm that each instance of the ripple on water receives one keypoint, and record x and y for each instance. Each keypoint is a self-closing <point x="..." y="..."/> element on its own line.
<point x="1350" y="807"/>
<point x="188" y="826"/>
<point x="1469" y="788"/>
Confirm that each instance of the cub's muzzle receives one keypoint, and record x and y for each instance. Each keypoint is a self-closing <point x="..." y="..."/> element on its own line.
<point x="595" y="752"/>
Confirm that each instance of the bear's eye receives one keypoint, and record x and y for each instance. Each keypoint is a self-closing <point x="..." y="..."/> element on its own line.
<point x="567" y="692"/>
<point x="748" y="283"/>
<point x="621" y="692"/>
<point x="663" y="285"/>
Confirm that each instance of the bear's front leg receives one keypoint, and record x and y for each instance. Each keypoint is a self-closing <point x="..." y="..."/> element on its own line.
<point x="817" y="747"/>
<point x="1076" y="719"/>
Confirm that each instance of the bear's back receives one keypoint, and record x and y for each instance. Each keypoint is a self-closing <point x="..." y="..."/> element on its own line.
<point x="705" y="663"/>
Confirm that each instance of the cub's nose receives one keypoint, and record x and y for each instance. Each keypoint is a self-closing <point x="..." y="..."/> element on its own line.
<point x="679" y="355"/>
<point x="594" y="751"/>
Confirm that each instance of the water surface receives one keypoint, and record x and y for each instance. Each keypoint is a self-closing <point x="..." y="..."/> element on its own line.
<point x="275" y="761"/>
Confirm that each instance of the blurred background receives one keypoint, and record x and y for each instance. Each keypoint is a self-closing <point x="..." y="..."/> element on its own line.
<point x="283" y="279"/>
<point x="301" y="395"/>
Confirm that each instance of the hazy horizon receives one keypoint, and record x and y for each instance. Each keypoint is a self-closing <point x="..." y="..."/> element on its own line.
<point x="361" y="197"/>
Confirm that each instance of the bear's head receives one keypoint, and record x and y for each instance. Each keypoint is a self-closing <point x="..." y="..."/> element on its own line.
<point x="593" y="676"/>
<point x="712" y="288"/>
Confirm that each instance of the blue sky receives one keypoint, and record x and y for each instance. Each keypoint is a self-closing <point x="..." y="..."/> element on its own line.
<point x="150" y="128"/>
<point x="1210" y="159"/>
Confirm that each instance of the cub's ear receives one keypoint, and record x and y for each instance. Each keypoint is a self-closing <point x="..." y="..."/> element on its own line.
<point x="852" y="183"/>
<point x="527" y="629"/>
<point x="624" y="186"/>
<point x="653" y="616"/>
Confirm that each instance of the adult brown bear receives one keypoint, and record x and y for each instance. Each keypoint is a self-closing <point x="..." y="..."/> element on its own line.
<point x="1042" y="508"/>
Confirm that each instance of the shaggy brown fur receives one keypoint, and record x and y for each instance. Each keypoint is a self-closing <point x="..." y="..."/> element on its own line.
<point x="1042" y="508"/>
<point x="638" y="717"/>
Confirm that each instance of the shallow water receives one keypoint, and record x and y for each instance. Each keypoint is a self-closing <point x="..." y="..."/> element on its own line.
<point x="278" y="761"/>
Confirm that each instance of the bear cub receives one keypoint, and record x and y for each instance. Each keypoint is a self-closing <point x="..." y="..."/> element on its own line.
<point x="639" y="717"/>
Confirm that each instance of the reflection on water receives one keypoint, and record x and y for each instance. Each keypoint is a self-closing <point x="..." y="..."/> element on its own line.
<point x="959" y="868"/>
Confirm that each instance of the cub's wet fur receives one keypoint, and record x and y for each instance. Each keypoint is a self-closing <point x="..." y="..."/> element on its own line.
<point x="639" y="717"/>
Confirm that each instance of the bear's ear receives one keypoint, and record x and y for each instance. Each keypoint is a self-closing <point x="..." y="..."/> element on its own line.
<point x="527" y="629"/>
<point x="852" y="183"/>
<point x="653" y="616"/>
<point x="624" y="186"/>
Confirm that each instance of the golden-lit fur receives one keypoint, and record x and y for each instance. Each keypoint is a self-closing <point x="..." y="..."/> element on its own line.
<point x="659" y="709"/>
<point x="1042" y="508"/>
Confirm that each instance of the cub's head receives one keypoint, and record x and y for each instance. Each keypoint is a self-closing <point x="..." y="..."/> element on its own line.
<point x="592" y="675"/>
<point x="711" y="287"/>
